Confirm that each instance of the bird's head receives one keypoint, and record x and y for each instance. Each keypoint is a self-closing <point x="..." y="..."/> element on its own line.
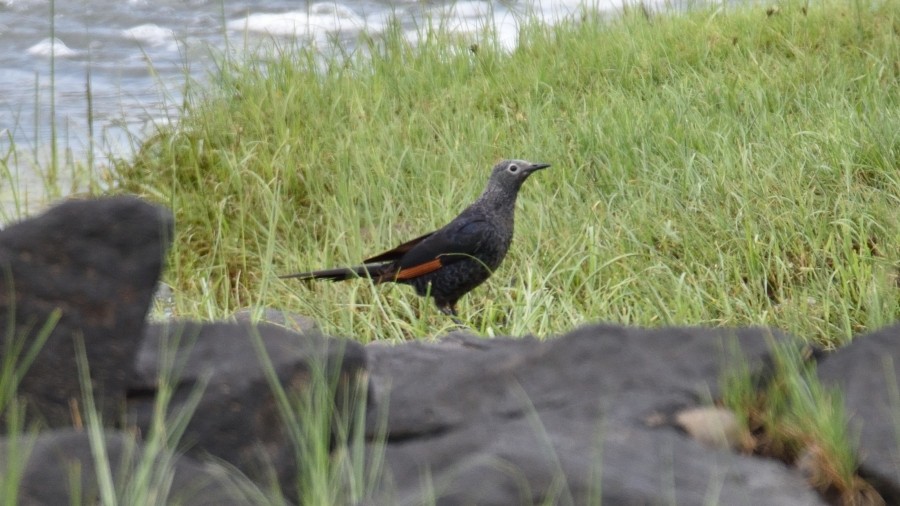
<point x="510" y="174"/>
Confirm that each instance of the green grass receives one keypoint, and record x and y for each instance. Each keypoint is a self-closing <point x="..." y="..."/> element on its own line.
<point x="16" y="356"/>
<point x="720" y="166"/>
<point x="797" y="420"/>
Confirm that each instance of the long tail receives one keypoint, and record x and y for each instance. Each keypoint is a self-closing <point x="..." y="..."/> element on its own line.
<point x="339" y="274"/>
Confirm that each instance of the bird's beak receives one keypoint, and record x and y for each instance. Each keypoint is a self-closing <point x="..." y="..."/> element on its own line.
<point x="536" y="167"/>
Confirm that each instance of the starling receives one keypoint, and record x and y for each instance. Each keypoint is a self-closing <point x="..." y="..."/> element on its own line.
<point x="451" y="261"/>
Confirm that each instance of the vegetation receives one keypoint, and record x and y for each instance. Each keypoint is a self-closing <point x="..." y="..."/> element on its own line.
<point x="795" y="419"/>
<point x="725" y="165"/>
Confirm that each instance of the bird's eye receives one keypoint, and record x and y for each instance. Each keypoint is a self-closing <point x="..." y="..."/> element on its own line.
<point x="513" y="168"/>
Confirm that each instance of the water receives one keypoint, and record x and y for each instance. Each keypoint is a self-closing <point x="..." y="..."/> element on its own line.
<point x="139" y="54"/>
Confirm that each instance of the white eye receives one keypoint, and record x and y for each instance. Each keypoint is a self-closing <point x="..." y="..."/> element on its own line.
<point x="513" y="168"/>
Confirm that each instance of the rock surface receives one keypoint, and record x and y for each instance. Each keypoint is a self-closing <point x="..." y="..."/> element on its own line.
<point x="56" y="457"/>
<point x="96" y="262"/>
<point x="520" y="421"/>
<point x="237" y="418"/>
<point x="867" y="373"/>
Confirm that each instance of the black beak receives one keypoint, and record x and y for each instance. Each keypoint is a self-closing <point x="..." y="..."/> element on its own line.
<point x="536" y="167"/>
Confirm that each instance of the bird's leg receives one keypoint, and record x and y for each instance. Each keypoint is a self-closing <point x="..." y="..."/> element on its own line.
<point x="450" y="310"/>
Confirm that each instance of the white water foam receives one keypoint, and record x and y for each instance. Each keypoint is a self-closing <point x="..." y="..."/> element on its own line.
<point x="151" y="34"/>
<point x="319" y="20"/>
<point x="53" y="46"/>
<point x="475" y="17"/>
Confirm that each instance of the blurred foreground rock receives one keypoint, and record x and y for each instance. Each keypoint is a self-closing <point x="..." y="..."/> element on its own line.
<point x="568" y="420"/>
<point x="867" y="371"/>
<point x="93" y="265"/>
<point x="237" y="418"/>
<point x="57" y="467"/>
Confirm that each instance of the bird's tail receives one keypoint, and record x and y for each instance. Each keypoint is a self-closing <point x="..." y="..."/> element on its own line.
<point x="338" y="274"/>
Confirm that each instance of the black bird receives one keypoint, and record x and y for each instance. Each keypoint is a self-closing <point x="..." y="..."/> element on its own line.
<point x="449" y="262"/>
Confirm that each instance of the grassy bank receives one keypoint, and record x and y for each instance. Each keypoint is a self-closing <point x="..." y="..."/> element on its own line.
<point x="721" y="166"/>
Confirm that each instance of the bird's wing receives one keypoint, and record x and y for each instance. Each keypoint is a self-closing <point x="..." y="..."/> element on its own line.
<point x="397" y="252"/>
<point x="453" y="243"/>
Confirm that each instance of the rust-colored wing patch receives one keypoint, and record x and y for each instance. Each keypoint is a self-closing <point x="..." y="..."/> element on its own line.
<point x="418" y="270"/>
<point x="397" y="252"/>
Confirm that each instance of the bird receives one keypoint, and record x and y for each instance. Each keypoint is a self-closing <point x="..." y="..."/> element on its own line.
<point x="451" y="261"/>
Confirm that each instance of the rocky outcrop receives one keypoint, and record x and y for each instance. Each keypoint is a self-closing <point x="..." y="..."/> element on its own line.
<point x="237" y="417"/>
<point x="866" y="372"/>
<point x="82" y="271"/>
<point x="58" y="467"/>
<point x="567" y="420"/>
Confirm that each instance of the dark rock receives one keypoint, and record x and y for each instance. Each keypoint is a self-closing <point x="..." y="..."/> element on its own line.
<point x="867" y="372"/>
<point x="54" y="458"/>
<point x="521" y="421"/>
<point x="97" y="263"/>
<point x="237" y="418"/>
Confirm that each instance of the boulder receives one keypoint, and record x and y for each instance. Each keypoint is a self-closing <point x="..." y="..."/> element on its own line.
<point x="93" y="265"/>
<point x="566" y="420"/>
<point x="57" y="467"/>
<point x="238" y="418"/>
<point x="867" y="371"/>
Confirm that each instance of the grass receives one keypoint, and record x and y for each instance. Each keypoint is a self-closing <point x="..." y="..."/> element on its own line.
<point x="15" y="358"/>
<point x="726" y="165"/>
<point x="721" y="166"/>
<point x="797" y="420"/>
